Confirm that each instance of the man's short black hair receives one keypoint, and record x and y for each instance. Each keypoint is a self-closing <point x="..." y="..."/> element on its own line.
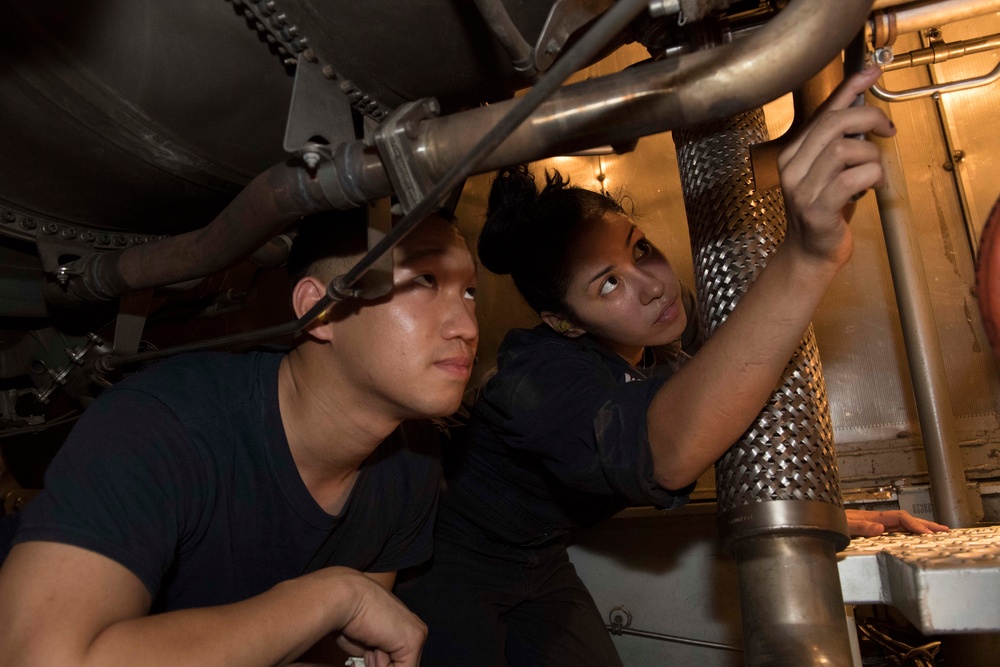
<point x="328" y="244"/>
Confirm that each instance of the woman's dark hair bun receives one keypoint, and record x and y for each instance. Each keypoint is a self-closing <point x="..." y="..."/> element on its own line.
<point x="506" y="232"/>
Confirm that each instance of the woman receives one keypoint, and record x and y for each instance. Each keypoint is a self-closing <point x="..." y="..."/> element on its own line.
<point x="592" y="410"/>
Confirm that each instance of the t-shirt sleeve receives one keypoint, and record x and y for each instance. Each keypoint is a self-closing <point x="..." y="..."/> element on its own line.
<point x="116" y="486"/>
<point x="587" y="428"/>
<point x="415" y="472"/>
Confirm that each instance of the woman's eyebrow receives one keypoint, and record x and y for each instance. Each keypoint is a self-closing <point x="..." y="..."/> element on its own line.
<point x="600" y="273"/>
<point x="628" y="239"/>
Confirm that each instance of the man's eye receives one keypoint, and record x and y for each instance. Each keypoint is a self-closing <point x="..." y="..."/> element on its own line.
<point x="470" y="294"/>
<point x="426" y="280"/>
<point x="609" y="285"/>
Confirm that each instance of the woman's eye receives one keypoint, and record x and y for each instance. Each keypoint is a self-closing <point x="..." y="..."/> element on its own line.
<point x="470" y="294"/>
<point x="609" y="285"/>
<point x="642" y="248"/>
<point x="426" y="280"/>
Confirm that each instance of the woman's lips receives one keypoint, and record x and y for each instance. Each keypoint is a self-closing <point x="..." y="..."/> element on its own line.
<point x="669" y="313"/>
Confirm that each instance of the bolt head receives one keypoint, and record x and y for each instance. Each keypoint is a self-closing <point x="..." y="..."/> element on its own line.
<point x="311" y="159"/>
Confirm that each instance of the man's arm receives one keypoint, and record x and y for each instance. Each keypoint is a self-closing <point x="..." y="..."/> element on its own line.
<point x="63" y="605"/>
<point x="334" y="648"/>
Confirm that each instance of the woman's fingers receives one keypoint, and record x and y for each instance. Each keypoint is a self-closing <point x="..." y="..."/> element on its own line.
<point x="847" y="164"/>
<point x="841" y="98"/>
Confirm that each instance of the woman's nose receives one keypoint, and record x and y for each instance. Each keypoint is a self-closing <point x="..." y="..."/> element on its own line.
<point x="651" y="287"/>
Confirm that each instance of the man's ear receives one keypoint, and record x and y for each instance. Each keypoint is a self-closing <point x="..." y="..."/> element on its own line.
<point x="305" y="295"/>
<point x="562" y="325"/>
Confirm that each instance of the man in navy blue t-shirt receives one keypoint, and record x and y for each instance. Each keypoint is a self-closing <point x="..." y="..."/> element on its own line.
<point x="249" y="509"/>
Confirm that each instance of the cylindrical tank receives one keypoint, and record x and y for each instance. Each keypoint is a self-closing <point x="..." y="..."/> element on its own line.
<point x="149" y="116"/>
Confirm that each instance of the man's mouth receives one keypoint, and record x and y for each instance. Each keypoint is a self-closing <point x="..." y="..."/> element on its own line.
<point x="458" y="365"/>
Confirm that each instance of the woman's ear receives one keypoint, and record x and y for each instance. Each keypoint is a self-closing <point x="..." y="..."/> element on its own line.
<point x="305" y="295"/>
<point x="562" y="325"/>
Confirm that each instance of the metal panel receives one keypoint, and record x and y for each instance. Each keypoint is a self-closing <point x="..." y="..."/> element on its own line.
<point x="977" y="166"/>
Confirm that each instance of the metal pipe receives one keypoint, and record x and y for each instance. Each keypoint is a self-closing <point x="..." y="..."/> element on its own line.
<point x="940" y="52"/>
<point x="648" y="99"/>
<point x="615" y="110"/>
<point x="500" y="23"/>
<point x="920" y="336"/>
<point x="274" y="199"/>
<point x="926" y="91"/>
<point x="673" y="639"/>
<point x="917" y="16"/>
<point x="778" y="488"/>
<point x="785" y="588"/>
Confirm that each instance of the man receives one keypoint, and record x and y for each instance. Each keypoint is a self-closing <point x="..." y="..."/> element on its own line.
<point x="220" y="509"/>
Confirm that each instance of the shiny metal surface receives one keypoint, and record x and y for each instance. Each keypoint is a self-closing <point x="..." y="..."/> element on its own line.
<point x="647" y="99"/>
<point x="926" y="363"/>
<point x="944" y="582"/>
<point x="734" y="230"/>
<point x="972" y="141"/>
<point x="917" y="16"/>
<point x="792" y="608"/>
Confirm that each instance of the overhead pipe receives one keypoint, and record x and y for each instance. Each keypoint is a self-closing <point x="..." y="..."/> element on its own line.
<point x="522" y="55"/>
<point x="915" y="16"/>
<point x="616" y="110"/>
<point x="274" y="199"/>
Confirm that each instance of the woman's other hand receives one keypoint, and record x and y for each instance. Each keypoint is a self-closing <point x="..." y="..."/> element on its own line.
<point x="870" y="523"/>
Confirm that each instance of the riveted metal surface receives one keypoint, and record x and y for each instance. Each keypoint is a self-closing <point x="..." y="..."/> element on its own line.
<point x="787" y="454"/>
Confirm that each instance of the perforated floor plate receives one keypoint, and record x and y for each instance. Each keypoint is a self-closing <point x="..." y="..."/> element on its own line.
<point x="944" y="582"/>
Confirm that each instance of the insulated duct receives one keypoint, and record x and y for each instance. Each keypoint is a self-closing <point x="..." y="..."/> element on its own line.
<point x="780" y="511"/>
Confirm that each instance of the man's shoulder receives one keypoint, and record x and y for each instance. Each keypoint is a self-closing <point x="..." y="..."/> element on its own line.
<point x="190" y="383"/>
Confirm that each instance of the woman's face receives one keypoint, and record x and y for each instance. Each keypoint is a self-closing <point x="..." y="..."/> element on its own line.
<point x="623" y="290"/>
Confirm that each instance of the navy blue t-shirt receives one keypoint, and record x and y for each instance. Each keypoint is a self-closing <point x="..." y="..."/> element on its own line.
<point x="182" y="473"/>
<point x="557" y="439"/>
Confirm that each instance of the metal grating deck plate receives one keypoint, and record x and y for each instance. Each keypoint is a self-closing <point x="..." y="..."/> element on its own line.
<point x="943" y="582"/>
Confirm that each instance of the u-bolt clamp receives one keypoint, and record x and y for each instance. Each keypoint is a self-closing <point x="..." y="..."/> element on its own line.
<point x="396" y="141"/>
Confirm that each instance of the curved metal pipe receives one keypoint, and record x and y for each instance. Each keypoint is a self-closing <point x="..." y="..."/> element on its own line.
<point x="522" y="55"/>
<point x="274" y="199"/>
<point x="648" y="99"/>
<point x="614" y="110"/>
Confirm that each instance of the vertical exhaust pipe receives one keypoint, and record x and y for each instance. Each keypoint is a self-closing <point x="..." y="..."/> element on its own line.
<point x="780" y="510"/>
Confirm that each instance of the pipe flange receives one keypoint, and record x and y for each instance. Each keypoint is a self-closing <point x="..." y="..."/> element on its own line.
<point x="783" y="517"/>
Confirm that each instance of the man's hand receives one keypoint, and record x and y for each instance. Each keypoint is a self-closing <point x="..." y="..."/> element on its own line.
<point x="871" y="523"/>
<point x="392" y="635"/>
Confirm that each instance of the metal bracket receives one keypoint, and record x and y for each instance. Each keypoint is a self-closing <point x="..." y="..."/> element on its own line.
<point x="619" y="618"/>
<point x="319" y="118"/>
<point x="395" y="140"/>
<point x="133" y="308"/>
<point x="565" y="18"/>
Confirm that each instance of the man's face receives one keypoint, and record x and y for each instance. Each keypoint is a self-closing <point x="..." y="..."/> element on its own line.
<point x="412" y="350"/>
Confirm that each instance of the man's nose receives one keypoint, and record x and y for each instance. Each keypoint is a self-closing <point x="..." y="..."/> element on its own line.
<point x="461" y="321"/>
